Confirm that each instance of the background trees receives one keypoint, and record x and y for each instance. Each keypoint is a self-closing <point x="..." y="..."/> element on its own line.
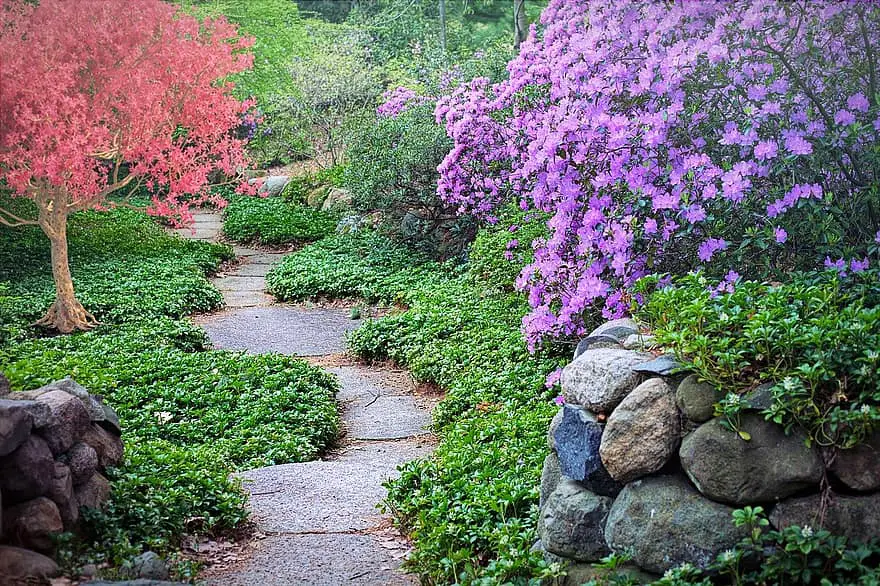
<point x="111" y="105"/>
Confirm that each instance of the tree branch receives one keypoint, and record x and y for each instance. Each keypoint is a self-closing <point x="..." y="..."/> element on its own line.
<point x="13" y="221"/>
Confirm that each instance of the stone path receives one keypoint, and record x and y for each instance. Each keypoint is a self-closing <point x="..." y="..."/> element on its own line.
<point x="319" y="519"/>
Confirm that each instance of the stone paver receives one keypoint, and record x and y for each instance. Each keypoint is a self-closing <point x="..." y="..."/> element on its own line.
<point x="320" y="518"/>
<point x="320" y="560"/>
<point x="279" y="328"/>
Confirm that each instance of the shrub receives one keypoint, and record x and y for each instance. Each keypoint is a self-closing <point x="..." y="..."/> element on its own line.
<point x="501" y="251"/>
<point x="392" y="169"/>
<point x="671" y="136"/>
<point x="815" y="338"/>
<point x="273" y="221"/>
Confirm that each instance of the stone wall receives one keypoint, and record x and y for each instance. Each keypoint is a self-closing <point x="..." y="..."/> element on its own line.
<point x="55" y="444"/>
<point x="639" y="465"/>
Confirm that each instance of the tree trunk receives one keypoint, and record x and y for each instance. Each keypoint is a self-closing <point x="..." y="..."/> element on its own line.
<point x="66" y="314"/>
<point x="520" y="24"/>
<point x="443" y="26"/>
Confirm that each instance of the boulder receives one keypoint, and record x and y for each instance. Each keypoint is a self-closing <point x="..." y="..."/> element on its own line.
<point x="270" y="186"/>
<point x="768" y="467"/>
<point x="551" y="476"/>
<point x="760" y="398"/>
<point x="111" y="420"/>
<point x="27" y="472"/>
<point x="577" y="438"/>
<point x="94" y="408"/>
<point x="551" y="431"/>
<point x="148" y="565"/>
<point x="15" y="426"/>
<point x="572" y="523"/>
<point x="20" y="565"/>
<point x="107" y="445"/>
<point x="697" y="399"/>
<point x="72" y="420"/>
<point x="662" y="366"/>
<point x="856" y="517"/>
<point x="638" y="342"/>
<point x="601" y="378"/>
<point x="83" y="462"/>
<point x="663" y="522"/>
<point x="600" y="341"/>
<point x="859" y="467"/>
<point x="61" y="493"/>
<point x="643" y="433"/>
<point x="337" y="198"/>
<point x="32" y="524"/>
<point x="93" y="493"/>
<point x="315" y="198"/>
<point x="620" y="329"/>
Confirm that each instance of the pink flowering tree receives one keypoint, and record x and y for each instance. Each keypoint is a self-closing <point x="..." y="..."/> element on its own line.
<point x="98" y="100"/>
<point x="734" y="137"/>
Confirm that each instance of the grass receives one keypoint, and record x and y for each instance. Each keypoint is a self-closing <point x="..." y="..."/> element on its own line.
<point x="190" y="416"/>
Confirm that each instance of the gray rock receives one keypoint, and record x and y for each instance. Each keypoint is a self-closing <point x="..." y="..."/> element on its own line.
<point x="32" y="524"/>
<point x="617" y="328"/>
<point x="577" y="439"/>
<point x="272" y="185"/>
<point x="73" y="388"/>
<point x="579" y="573"/>
<point x="27" y="472"/>
<point x="551" y="476"/>
<point x="83" y="462"/>
<point x="19" y="565"/>
<point x="111" y="420"/>
<point x="638" y="342"/>
<point x="15" y="426"/>
<point x="61" y="493"/>
<point x="572" y="523"/>
<point x="337" y="198"/>
<point x="601" y="378"/>
<point x="859" y="467"/>
<point x="72" y="420"/>
<point x="697" y="399"/>
<point x="138" y="582"/>
<point x="107" y="445"/>
<point x="643" y="433"/>
<point x="93" y="493"/>
<point x="664" y="522"/>
<point x="551" y="431"/>
<point x="149" y="565"/>
<point x="768" y="467"/>
<point x="591" y="342"/>
<point x="662" y="365"/>
<point x="856" y="517"/>
<point x="760" y="398"/>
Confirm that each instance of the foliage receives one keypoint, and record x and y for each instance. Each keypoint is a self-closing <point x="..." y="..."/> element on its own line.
<point x="501" y="250"/>
<point x="361" y="264"/>
<point x="392" y="169"/>
<point x="663" y="136"/>
<point x="471" y="508"/>
<point x="815" y="338"/>
<point x="189" y="416"/>
<point x="274" y="221"/>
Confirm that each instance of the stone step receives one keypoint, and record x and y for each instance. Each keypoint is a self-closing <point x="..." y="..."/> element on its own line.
<point x="235" y="283"/>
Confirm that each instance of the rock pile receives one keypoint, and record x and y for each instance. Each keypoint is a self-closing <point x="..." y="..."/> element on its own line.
<point x="640" y="465"/>
<point x="55" y="444"/>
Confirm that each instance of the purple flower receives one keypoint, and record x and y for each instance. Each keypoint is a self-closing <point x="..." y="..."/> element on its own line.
<point x="766" y="150"/>
<point x="710" y="247"/>
<point x="844" y="118"/>
<point x="857" y="266"/>
<point x="839" y="265"/>
<point x="858" y="102"/>
<point x="780" y="234"/>
<point x="796" y="144"/>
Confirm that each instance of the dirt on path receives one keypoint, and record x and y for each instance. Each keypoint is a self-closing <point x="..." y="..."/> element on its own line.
<point x="317" y="522"/>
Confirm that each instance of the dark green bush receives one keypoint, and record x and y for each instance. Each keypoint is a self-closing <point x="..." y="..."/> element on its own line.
<point x="273" y="221"/>
<point x="392" y="169"/>
<point x="815" y="337"/>
<point x="500" y="251"/>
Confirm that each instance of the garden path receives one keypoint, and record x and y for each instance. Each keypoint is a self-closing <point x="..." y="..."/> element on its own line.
<point x="317" y="522"/>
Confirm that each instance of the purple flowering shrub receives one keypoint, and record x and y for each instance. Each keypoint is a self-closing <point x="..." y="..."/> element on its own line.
<point x="668" y="137"/>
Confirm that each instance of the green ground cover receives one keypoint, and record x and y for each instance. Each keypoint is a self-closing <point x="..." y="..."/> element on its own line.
<point x="190" y="415"/>
<point x="274" y="221"/>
